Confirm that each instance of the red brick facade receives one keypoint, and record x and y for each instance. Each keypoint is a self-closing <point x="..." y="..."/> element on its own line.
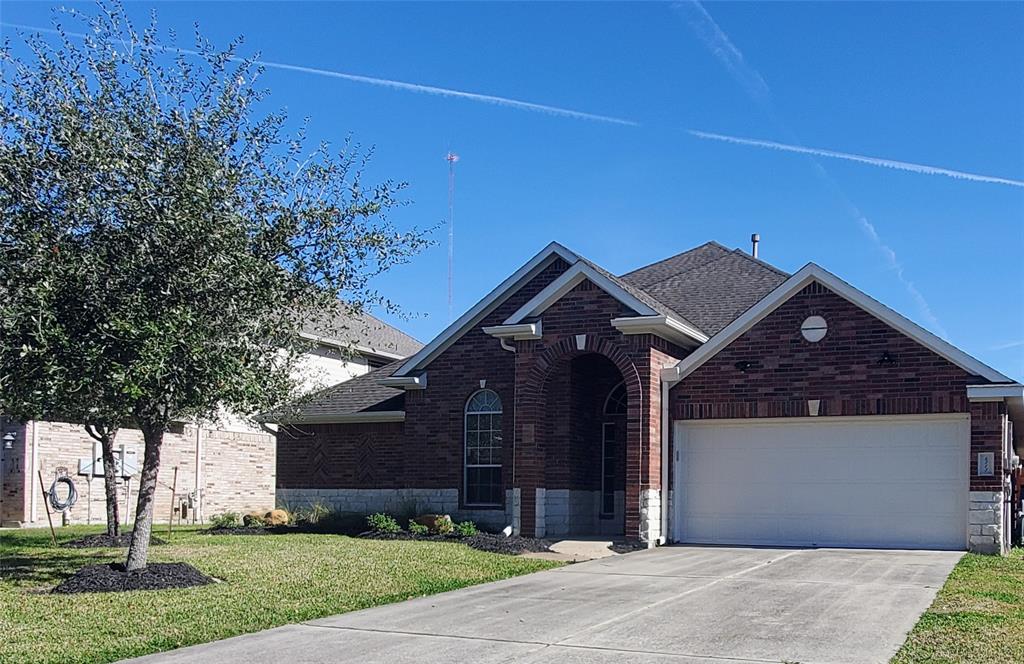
<point x="861" y="367"/>
<point x="553" y="388"/>
<point x="355" y="456"/>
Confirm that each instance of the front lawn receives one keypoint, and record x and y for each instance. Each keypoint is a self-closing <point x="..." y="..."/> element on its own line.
<point x="269" y="580"/>
<point x="977" y="617"/>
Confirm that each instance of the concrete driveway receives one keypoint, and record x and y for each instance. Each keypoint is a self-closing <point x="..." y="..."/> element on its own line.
<point x="666" y="605"/>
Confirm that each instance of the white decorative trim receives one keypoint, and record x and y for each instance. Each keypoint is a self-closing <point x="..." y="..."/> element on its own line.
<point x="485" y="306"/>
<point x="406" y="382"/>
<point x="518" y="332"/>
<point x="810" y="273"/>
<point x="581" y="341"/>
<point x="366" y="416"/>
<point x="663" y="326"/>
<point x="995" y="392"/>
<point x="568" y="280"/>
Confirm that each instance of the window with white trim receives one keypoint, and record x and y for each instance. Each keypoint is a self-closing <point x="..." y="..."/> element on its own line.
<point x="483" y="449"/>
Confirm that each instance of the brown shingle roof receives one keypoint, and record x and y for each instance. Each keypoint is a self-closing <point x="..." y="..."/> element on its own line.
<point x="363" y="330"/>
<point x="361" y="394"/>
<point x="710" y="285"/>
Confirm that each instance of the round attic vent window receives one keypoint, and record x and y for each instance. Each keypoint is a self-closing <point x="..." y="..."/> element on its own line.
<point x="814" y="328"/>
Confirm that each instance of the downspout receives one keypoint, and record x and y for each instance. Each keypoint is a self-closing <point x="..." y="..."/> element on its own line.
<point x="197" y="510"/>
<point x="35" y="468"/>
<point x="512" y="349"/>
<point x="666" y="459"/>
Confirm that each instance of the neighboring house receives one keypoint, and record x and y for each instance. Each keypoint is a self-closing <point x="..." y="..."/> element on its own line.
<point x="707" y="398"/>
<point x="225" y="467"/>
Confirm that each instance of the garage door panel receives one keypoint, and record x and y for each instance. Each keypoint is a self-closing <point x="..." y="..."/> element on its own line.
<point x="877" y="482"/>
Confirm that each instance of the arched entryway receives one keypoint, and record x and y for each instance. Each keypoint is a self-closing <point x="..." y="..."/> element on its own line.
<point x="584" y="437"/>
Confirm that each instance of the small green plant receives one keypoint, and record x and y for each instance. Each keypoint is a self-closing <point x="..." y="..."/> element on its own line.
<point x="383" y="523"/>
<point x="418" y="528"/>
<point x="317" y="512"/>
<point x="465" y="529"/>
<point x="225" y="520"/>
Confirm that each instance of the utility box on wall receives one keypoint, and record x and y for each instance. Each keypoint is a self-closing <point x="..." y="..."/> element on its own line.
<point x="126" y="462"/>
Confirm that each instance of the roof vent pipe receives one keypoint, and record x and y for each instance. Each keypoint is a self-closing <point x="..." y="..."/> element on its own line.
<point x="754" y="239"/>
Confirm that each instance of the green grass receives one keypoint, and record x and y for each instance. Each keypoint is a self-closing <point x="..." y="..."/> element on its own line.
<point x="977" y="617"/>
<point x="269" y="580"/>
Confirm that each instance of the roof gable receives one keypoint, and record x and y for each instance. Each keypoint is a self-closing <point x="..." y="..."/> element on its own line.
<point x="489" y="303"/>
<point x="814" y="273"/>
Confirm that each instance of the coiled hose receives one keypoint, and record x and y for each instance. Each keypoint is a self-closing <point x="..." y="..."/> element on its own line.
<point x="72" y="497"/>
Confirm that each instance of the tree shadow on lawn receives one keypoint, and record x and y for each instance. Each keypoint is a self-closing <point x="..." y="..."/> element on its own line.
<point x="49" y="568"/>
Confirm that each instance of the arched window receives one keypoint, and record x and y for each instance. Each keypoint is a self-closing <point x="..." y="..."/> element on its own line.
<point x="483" y="449"/>
<point x="615" y="404"/>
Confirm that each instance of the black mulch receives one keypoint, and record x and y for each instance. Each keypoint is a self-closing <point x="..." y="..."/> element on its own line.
<point x="240" y="530"/>
<point x="104" y="540"/>
<point x="114" y="578"/>
<point x="489" y="542"/>
<point x="627" y="547"/>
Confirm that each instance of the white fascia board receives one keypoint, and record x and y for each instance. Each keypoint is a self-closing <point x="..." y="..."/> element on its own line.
<point x="406" y="382"/>
<point x="519" y="332"/>
<point x="666" y="327"/>
<point x="995" y="392"/>
<point x="810" y="273"/>
<point x="368" y="416"/>
<point x="359" y="348"/>
<point x="569" y="280"/>
<point x="485" y="306"/>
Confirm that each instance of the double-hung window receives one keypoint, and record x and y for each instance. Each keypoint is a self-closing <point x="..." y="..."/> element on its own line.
<point x="483" y="450"/>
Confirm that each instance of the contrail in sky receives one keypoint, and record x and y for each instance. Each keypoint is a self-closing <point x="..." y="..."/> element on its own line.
<point x="729" y="55"/>
<point x="874" y="161"/>
<point x="394" y="85"/>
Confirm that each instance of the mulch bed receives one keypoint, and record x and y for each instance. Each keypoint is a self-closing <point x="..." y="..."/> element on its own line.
<point x="242" y="530"/>
<point x="512" y="546"/>
<point x="114" y="578"/>
<point x="104" y="540"/>
<point x="627" y="547"/>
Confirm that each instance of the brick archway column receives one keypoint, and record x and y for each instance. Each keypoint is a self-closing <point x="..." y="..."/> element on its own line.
<point x="534" y="364"/>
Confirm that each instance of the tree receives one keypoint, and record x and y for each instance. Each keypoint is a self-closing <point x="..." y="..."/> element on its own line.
<point x="144" y="172"/>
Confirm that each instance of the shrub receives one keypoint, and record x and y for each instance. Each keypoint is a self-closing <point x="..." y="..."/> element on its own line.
<point x="438" y="524"/>
<point x="383" y="523"/>
<point x="418" y="528"/>
<point x="225" y="520"/>
<point x="465" y="529"/>
<point x="316" y="512"/>
<point x="253" y="520"/>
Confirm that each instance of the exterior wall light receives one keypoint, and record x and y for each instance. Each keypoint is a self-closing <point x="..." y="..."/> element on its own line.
<point x="9" y="439"/>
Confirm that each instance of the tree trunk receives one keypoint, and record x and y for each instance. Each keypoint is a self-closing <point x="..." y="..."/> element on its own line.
<point x="110" y="483"/>
<point x="139" y="548"/>
<point x="105" y="436"/>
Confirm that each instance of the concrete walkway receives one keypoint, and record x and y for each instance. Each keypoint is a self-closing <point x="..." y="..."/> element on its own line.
<point x="671" y="605"/>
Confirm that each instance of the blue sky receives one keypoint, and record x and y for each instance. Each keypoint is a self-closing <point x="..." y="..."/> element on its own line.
<point x="932" y="84"/>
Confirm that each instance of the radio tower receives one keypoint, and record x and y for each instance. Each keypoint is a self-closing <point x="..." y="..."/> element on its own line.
<point x="452" y="158"/>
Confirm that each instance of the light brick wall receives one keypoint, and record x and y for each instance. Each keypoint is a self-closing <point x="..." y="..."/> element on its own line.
<point x="237" y="472"/>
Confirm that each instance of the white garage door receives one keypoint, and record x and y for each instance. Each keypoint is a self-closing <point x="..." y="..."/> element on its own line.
<point x="897" y="482"/>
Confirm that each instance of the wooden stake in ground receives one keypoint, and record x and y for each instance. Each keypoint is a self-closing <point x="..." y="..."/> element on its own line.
<point x="174" y="491"/>
<point x="46" y="504"/>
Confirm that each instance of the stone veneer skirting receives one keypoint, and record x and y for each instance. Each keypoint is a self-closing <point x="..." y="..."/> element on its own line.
<point x="985" y="522"/>
<point x="566" y="512"/>
<point x="423" y="501"/>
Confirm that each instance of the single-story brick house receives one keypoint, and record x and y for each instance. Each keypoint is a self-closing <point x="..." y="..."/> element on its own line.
<point x="706" y="398"/>
<point x="224" y="466"/>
